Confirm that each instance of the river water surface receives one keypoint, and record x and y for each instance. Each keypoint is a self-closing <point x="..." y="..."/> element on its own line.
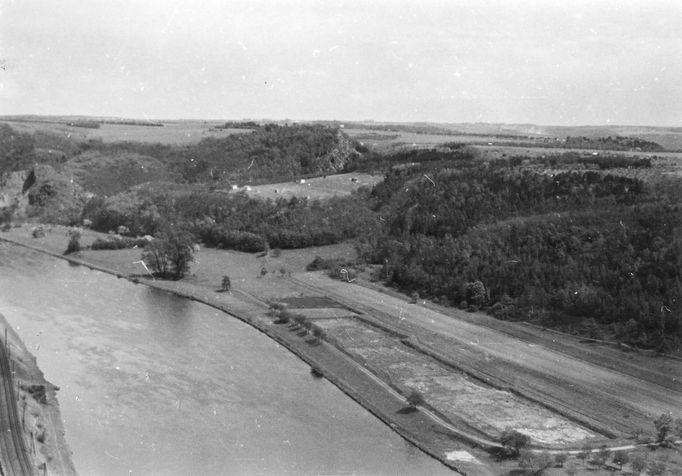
<point x="156" y="384"/>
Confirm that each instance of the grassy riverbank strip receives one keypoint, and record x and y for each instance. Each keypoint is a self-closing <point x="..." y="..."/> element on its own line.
<point x="417" y="427"/>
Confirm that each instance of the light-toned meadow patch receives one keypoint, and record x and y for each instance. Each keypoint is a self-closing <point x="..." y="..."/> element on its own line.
<point x="463" y="456"/>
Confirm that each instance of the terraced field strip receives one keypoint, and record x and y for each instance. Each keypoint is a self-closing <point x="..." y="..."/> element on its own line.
<point x="468" y="403"/>
<point x="600" y="398"/>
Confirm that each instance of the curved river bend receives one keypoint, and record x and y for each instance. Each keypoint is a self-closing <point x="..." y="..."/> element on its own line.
<point x="156" y="384"/>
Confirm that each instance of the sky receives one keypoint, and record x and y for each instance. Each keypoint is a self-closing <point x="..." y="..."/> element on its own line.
<point x="542" y="62"/>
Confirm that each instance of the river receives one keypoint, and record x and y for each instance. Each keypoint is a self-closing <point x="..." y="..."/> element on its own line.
<point x="156" y="384"/>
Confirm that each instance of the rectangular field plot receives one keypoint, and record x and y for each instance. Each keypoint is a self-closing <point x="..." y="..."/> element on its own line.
<point x="450" y="392"/>
<point x="326" y="313"/>
<point x="310" y="302"/>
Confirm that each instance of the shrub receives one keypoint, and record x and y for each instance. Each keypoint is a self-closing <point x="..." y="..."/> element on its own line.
<point x="638" y="463"/>
<point x="657" y="468"/>
<point x="620" y="458"/>
<point x="74" y="244"/>
<point x="663" y="426"/>
<point x="317" y="264"/>
<point x="560" y="459"/>
<point x="299" y="319"/>
<point x="319" y="334"/>
<point x="415" y="398"/>
<point x="283" y="317"/>
<point x="514" y="440"/>
<point x="536" y="462"/>
<point x="584" y="453"/>
<point x="678" y="427"/>
<point x="600" y="457"/>
<point x="118" y="243"/>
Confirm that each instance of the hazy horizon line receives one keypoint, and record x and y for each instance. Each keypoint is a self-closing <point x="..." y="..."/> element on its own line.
<point x="358" y="121"/>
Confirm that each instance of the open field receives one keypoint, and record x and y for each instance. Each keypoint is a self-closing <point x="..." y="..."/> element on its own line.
<point x="172" y="132"/>
<point x="317" y="188"/>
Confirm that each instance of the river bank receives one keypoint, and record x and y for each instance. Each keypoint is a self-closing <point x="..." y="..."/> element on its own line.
<point x="341" y="370"/>
<point x="38" y="409"/>
<point x="347" y="365"/>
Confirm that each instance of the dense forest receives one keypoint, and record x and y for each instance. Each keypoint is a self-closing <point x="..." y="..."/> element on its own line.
<point x="586" y="251"/>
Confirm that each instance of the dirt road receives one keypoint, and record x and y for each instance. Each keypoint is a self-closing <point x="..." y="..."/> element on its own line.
<point x="603" y="398"/>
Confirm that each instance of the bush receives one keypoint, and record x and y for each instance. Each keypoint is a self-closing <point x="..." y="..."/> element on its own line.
<point x="537" y="463"/>
<point x="663" y="426"/>
<point x="620" y="458"/>
<point x="600" y="457"/>
<point x="638" y="463"/>
<point x="657" y="468"/>
<point x="74" y="244"/>
<point x="319" y="334"/>
<point x="317" y="264"/>
<point x="283" y="317"/>
<point x="560" y="459"/>
<point x="235" y="240"/>
<point x="118" y="243"/>
<point x="415" y="398"/>
<point x="514" y="440"/>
